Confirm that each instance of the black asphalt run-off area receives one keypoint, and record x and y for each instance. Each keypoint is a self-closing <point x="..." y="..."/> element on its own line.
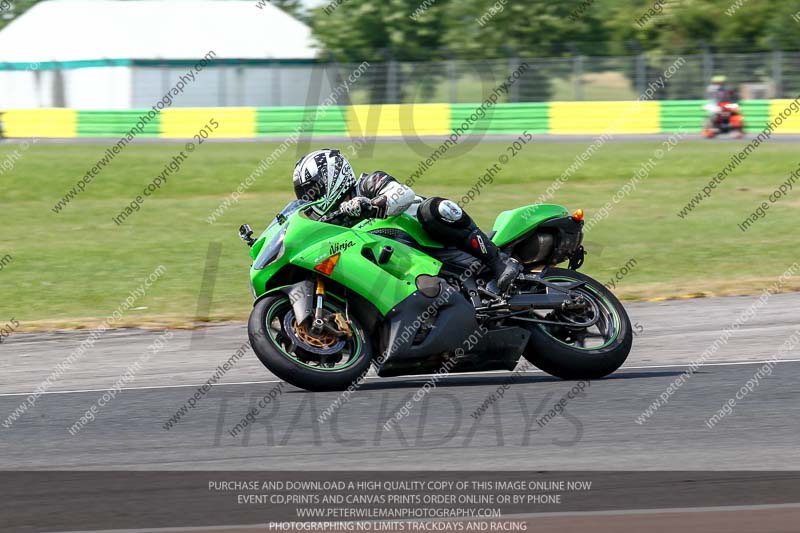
<point x="598" y="429"/>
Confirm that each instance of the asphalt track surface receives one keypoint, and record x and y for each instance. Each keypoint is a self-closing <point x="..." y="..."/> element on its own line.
<point x="598" y="429"/>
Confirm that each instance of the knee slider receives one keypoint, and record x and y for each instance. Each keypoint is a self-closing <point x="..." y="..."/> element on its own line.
<point x="440" y="210"/>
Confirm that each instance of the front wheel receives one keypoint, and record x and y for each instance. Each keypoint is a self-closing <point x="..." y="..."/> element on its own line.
<point x="709" y="129"/>
<point x="575" y="352"/>
<point x="316" y="362"/>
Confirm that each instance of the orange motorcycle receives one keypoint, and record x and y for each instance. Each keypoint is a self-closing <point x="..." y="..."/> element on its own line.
<point x="729" y="118"/>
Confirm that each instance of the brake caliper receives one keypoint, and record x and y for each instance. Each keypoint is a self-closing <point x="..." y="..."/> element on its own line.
<point x="342" y="324"/>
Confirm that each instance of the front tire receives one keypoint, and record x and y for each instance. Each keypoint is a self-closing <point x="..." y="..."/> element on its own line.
<point x="558" y="350"/>
<point x="279" y="351"/>
<point x="709" y="129"/>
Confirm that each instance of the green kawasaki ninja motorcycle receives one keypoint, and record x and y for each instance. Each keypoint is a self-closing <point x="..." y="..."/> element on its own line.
<point x="332" y="301"/>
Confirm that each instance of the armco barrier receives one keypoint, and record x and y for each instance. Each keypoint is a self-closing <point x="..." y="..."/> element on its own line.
<point x="55" y="123"/>
<point x="231" y="122"/>
<point x="681" y="115"/>
<point x="398" y="120"/>
<point x="601" y="117"/>
<point x="502" y="118"/>
<point x="756" y="115"/>
<point x="688" y="114"/>
<point x="305" y="121"/>
<point x="790" y="125"/>
<point x="116" y="124"/>
<point x="406" y="121"/>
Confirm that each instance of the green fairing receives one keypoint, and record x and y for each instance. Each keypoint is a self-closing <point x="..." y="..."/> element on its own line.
<point x="513" y="224"/>
<point x="308" y="243"/>
<point x="404" y="222"/>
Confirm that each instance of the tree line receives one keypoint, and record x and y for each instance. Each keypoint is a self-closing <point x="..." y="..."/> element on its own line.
<point x="416" y="30"/>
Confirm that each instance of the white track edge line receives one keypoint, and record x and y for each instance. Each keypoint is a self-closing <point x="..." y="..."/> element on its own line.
<point x="417" y="376"/>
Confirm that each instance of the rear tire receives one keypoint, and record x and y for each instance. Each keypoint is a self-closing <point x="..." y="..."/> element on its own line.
<point x="268" y="341"/>
<point x="560" y="359"/>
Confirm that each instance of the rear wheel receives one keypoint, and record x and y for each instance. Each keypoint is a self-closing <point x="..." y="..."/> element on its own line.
<point x="329" y="360"/>
<point x="576" y="351"/>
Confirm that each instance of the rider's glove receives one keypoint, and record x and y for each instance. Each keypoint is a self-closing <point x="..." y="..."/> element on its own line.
<point x="357" y="207"/>
<point x="379" y="206"/>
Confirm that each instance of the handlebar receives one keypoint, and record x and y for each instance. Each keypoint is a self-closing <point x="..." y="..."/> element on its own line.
<point x="330" y="216"/>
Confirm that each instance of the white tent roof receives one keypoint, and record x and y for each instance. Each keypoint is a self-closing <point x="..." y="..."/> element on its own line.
<point x="74" y="30"/>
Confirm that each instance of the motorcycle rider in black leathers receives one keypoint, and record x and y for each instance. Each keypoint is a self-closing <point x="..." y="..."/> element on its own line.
<point x="327" y="174"/>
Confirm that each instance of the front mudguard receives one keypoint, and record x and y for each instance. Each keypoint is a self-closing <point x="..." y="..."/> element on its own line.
<point x="301" y="296"/>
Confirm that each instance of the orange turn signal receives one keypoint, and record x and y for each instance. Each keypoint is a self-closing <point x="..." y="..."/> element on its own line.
<point x="326" y="267"/>
<point x="577" y="215"/>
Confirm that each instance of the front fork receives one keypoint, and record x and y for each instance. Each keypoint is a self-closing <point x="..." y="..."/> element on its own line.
<point x="319" y="301"/>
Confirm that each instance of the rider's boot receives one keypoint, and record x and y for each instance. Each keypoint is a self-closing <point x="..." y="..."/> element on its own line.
<point x="505" y="268"/>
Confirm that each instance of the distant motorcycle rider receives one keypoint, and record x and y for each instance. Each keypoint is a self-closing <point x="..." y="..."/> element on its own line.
<point x="327" y="174"/>
<point x="716" y="93"/>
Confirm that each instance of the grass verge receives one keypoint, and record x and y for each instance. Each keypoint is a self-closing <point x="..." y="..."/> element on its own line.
<point x="74" y="268"/>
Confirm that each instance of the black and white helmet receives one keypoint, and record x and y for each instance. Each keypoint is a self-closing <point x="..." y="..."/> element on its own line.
<point x="325" y="174"/>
